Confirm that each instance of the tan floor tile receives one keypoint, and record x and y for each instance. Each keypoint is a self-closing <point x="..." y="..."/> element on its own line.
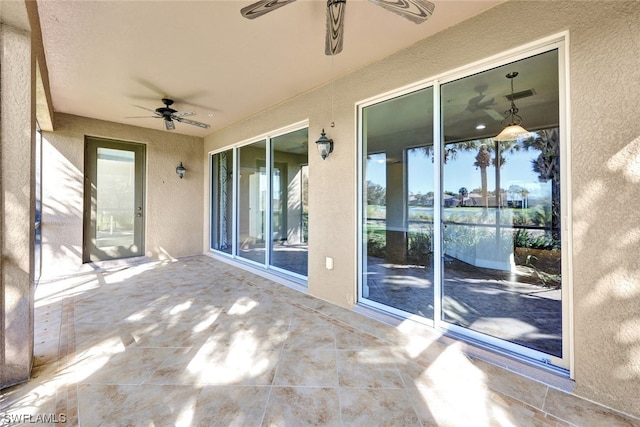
<point x="583" y="413"/>
<point x="302" y="406"/>
<point x="151" y="405"/>
<point x="231" y="406"/>
<point x="303" y="367"/>
<point x="383" y="407"/>
<point x="513" y="385"/>
<point x="98" y="402"/>
<point x="172" y="335"/>
<point x="131" y="366"/>
<point x="311" y="336"/>
<point x="368" y="369"/>
<point x="214" y="364"/>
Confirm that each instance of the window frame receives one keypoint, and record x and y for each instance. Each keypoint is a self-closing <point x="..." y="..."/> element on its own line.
<point x="267" y="137"/>
<point x="560" y="42"/>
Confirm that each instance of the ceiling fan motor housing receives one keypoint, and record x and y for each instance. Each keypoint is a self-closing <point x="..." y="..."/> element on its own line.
<point x="167" y="111"/>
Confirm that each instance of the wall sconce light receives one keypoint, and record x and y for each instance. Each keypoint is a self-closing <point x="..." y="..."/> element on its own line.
<point x="325" y="145"/>
<point x="180" y="170"/>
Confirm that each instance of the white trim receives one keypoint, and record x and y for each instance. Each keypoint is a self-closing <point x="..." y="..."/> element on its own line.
<point x="209" y="202"/>
<point x="268" y="227"/>
<point x="566" y="205"/>
<point x="242" y="264"/>
<point x="360" y="288"/>
<point x="503" y="58"/>
<point x="234" y="199"/>
<point x="438" y="240"/>
<point x="274" y="133"/>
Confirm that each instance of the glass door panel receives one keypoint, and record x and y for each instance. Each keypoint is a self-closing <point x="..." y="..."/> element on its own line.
<point x="222" y="198"/>
<point x="501" y="207"/>
<point x="289" y="243"/>
<point x="114" y="199"/>
<point x="253" y="202"/>
<point x="397" y="259"/>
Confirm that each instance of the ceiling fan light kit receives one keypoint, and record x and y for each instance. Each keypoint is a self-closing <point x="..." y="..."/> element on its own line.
<point x="513" y="130"/>
<point x="416" y="11"/>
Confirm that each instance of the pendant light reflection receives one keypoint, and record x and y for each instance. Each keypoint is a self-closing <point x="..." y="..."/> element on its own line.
<point x="513" y="130"/>
<point x="324" y="145"/>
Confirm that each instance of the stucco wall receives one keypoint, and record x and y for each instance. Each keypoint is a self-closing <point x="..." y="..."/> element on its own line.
<point x="604" y="81"/>
<point x="171" y="202"/>
<point x="17" y="218"/>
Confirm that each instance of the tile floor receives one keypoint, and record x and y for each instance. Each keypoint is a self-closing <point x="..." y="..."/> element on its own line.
<point x="199" y="342"/>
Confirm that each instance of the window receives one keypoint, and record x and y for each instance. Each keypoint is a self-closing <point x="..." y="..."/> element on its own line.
<point x="465" y="235"/>
<point x="222" y="195"/>
<point x="260" y="202"/>
<point x="398" y="199"/>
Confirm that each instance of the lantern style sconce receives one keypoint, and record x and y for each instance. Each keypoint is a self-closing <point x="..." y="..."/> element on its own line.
<point x="180" y="170"/>
<point x="325" y="145"/>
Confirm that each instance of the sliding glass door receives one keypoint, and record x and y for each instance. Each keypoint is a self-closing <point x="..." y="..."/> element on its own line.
<point x="222" y="196"/>
<point x="289" y="202"/>
<point x="252" y="202"/>
<point x="502" y="245"/>
<point x="465" y="234"/>
<point x="398" y="199"/>
<point x="260" y="204"/>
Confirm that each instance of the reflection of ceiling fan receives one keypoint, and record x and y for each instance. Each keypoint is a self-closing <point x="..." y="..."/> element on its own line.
<point x="416" y="11"/>
<point x="168" y="114"/>
<point x="484" y="103"/>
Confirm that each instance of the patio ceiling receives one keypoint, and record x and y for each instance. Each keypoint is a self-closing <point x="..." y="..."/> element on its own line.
<point x="106" y="57"/>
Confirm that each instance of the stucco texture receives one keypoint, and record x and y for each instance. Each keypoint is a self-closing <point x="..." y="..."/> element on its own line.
<point x="17" y="120"/>
<point x="170" y="202"/>
<point x="604" y="146"/>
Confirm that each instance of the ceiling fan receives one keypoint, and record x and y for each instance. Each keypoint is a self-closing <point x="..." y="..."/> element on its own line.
<point x="484" y="103"/>
<point x="168" y="115"/>
<point x="416" y="11"/>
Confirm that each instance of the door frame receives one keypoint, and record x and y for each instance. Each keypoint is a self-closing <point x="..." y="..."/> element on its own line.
<point x="89" y="216"/>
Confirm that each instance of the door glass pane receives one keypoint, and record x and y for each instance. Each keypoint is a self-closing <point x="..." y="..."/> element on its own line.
<point x="222" y="212"/>
<point x="289" y="243"/>
<point x="398" y="198"/>
<point x="501" y="206"/>
<point x="252" y="202"/>
<point x="115" y="198"/>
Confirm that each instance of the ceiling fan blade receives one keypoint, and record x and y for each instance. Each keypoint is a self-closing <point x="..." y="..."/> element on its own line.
<point x="192" y="122"/>
<point x="142" y="117"/>
<point x="335" y="26"/>
<point x="169" y="125"/>
<point x="416" y="11"/>
<point x="148" y="109"/>
<point x="264" y="6"/>
<point x="494" y="114"/>
<point x="183" y="113"/>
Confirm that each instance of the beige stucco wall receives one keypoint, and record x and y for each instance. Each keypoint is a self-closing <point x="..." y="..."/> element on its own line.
<point x="17" y="121"/>
<point x="171" y="223"/>
<point x="604" y="81"/>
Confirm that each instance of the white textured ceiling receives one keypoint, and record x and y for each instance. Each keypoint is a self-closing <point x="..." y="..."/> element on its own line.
<point x="104" y="56"/>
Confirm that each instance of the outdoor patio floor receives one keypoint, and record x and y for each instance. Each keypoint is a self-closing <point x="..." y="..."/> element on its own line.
<point x="200" y="342"/>
<point x="492" y="302"/>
